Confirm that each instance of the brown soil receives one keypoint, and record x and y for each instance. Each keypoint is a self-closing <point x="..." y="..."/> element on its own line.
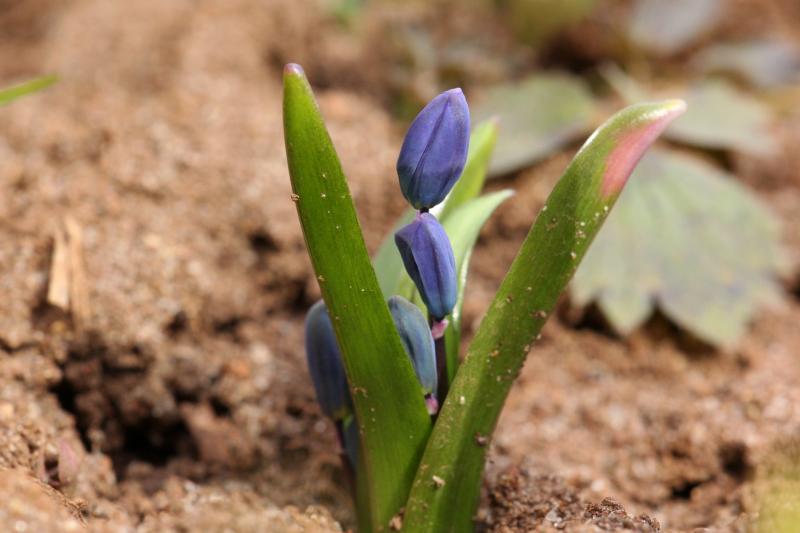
<point x="167" y="390"/>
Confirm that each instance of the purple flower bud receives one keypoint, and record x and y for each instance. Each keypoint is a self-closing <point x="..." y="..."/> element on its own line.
<point x="417" y="341"/>
<point x="435" y="150"/>
<point x="325" y="364"/>
<point x="428" y="258"/>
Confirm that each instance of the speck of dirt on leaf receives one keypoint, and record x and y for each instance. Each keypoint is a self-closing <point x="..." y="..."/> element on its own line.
<point x="481" y="440"/>
<point x="437" y="482"/>
<point x="321" y="278"/>
<point x="295" y="197"/>
<point x="573" y="255"/>
<point x="396" y="523"/>
<point x="462" y="400"/>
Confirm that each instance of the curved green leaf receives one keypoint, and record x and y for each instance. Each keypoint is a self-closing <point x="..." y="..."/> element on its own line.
<point x="447" y="484"/>
<point x="689" y="238"/>
<point x="463" y="227"/>
<point x="394" y="423"/>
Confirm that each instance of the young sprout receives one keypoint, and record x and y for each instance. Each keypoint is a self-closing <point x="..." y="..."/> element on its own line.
<point x="404" y="460"/>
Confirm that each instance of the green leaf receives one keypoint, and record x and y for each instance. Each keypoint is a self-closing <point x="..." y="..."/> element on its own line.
<point x="447" y="484"/>
<point x="463" y="227"/>
<point x="688" y="238"/>
<point x="394" y="423"/>
<point x="12" y="93"/>
<point x="763" y="63"/>
<point x="722" y="117"/>
<point x="719" y="116"/>
<point x="536" y="21"/>
<point x="387" y="262"/>
<point x="669" y="27"/>
<point x="537" y="116"/>
<point x="470" y="184"/>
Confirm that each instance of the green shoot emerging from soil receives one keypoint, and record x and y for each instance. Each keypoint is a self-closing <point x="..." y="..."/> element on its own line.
<point x="414" y="421"/>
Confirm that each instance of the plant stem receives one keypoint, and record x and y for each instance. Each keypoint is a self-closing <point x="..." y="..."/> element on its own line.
<point x="441" y="369"/>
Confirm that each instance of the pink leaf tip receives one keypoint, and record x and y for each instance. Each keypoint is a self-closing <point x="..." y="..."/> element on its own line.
<point x="634" y="139"/>
<point x="293" y="69"/>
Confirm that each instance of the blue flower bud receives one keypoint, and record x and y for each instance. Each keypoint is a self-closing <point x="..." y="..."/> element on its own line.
<point x="417" y="341"/>
<point x="435" y="150"/>
<point x="325" y="364"/>
<point x="428" y="258"/>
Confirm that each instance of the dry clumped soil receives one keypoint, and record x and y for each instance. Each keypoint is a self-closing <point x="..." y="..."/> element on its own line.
<point x="154" y="279"/>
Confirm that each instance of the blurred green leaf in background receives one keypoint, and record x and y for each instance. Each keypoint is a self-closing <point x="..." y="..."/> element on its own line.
<point x="536" y="21"/>
<point x="665" y="27"/>
<point x="537" y="116"/>
<point x="723" y="117"/>
<point x="686" y="238"/>
<point x="762" y="63"/>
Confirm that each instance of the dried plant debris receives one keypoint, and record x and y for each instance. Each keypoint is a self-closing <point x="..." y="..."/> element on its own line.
<point x="536" y="116"/>
<point x="687" y="238"/>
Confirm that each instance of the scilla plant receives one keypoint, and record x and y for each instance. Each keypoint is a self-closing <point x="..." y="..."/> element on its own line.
<point x="414" y="420"/>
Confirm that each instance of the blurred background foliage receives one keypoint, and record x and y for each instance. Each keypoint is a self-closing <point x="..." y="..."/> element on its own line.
<point x="688" y="239"/>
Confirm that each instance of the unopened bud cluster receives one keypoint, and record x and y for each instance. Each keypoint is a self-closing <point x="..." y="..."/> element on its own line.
<point x="431" y="160"/>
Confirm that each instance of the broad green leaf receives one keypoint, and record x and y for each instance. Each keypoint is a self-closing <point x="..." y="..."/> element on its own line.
<point x="719" y="116"/>
<point x="763" y="63"/>
<point x="536" y="116"/>
<point x="394" y="423"/>
<point x="463" y="227"/>
<point x="10" y="94"/>
<point x="687" y="238"/>
<point x="666" y="27"/>
<point x="447" y="485"/>
<point x="722" y="117"/>
<point x="470" y="184"/>
<point x="387" y="262"/>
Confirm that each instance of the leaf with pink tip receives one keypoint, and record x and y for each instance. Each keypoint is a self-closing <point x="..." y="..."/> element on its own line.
<point x="689" y="239"/>
<point x="560" y="236"/>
